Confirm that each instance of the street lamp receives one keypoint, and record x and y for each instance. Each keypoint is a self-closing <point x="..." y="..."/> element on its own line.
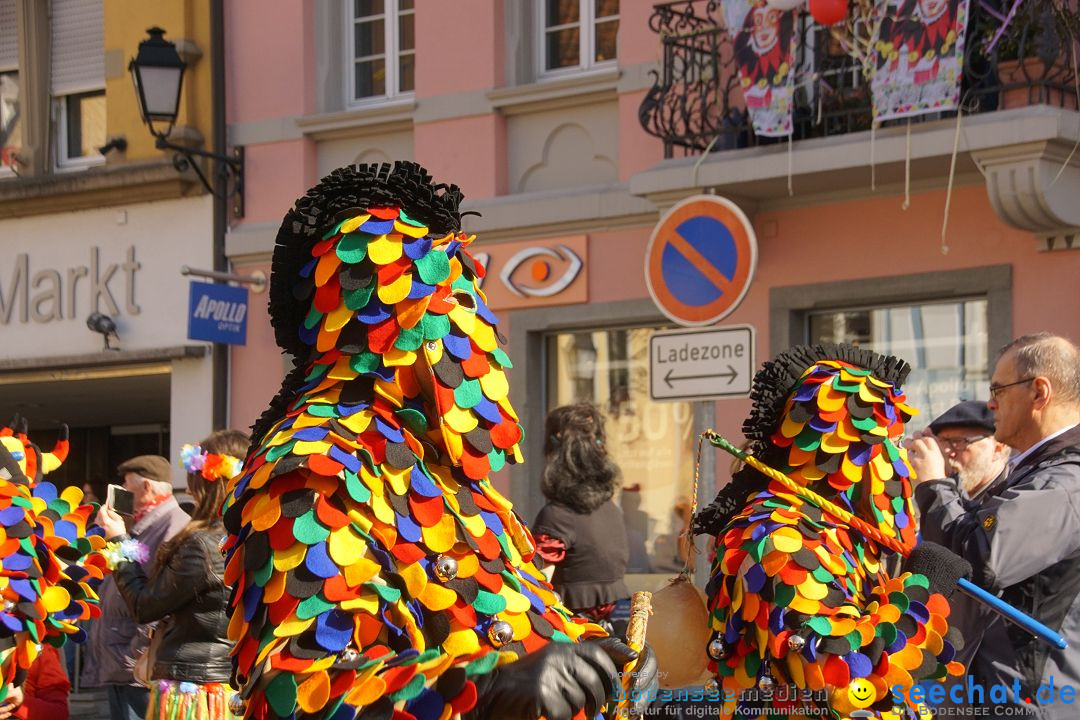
<point x="158" y="73"/>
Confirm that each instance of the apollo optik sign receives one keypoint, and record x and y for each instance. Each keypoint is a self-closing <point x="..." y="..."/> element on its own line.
<point x="217" y="313"/>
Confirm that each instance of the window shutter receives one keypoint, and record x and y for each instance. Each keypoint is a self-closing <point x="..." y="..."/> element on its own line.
<point x="9" y="36"/>
<point x="78" y="46"/>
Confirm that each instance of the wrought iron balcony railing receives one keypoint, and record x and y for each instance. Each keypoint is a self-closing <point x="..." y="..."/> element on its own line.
<point x="696" y="102"/>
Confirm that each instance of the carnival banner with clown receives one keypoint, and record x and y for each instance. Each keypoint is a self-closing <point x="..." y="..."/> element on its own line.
<point x="918" y="57"/>
<point x="764" y="39"/>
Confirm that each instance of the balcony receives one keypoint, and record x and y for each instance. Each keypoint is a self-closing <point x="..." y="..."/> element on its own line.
<point x="696" y="104"/>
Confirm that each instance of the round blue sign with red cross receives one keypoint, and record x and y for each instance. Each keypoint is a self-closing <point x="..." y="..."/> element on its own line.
<point x="700" y="260"/>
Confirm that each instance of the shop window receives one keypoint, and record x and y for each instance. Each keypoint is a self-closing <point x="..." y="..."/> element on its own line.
<point x="77" y="81"/>
<point x="577" y="34"/>
<point x="653" y="443"/>
<point x="382" y="49"/>
<point x="10" y="127"/>
<point x="946" y="344"/>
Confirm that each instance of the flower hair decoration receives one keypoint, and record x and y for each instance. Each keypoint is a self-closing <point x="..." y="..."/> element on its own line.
<point x="211" y="466"/>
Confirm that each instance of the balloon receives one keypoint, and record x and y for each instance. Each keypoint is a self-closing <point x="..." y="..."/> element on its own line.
<point x="679" y="633"/>
<point x="828" y="12"/>
<point x="784" y="4"/>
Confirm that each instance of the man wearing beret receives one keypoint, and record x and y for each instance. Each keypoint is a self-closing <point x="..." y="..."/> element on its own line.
<point x="116" y="640"/>
<point x="969" y="451"/>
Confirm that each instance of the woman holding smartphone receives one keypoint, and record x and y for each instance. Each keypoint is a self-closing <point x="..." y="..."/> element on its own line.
<point x="185" y="590"/>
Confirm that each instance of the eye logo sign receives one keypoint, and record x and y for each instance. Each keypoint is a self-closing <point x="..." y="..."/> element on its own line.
<point x="535" y="273"/>
<point x="540" y="271"/>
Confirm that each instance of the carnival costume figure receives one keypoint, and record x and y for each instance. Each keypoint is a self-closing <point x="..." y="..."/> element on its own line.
<point x="801" y="593"/>
<point x="376" y="571"/>
<point x="51" y="565"/>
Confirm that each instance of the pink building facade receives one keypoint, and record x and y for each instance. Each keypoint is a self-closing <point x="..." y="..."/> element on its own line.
<point x="540" y="128"/>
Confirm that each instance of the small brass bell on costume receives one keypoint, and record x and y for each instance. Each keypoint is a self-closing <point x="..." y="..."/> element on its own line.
<point x="712" y="686"/>
<point x="717" y="648"/>
<point x="796" y="643"/>
<point x="236" y="704"/>
<point x="500" y="633"/>
<point x="766" y="684"/>
<point x="445" y="568"/>
<point x="349" y="655"/>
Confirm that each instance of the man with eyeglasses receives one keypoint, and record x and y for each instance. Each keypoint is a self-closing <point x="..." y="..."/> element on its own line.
<point x="1022" y="536"/>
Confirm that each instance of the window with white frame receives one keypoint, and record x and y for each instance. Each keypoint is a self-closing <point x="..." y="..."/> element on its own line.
<point x="382" y="49"/>
<point x="945" y="342"/>
<point x="577" y="34"/>
<point x="10" y="127"/>
<point x="78" y="81"/>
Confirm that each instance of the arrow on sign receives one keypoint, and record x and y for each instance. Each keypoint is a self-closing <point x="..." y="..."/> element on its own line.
<point x="731" y="374"/>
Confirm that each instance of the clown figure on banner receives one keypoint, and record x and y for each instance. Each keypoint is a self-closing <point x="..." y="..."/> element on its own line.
<point x="764" y="43"/>
<point x="919" y="57"/>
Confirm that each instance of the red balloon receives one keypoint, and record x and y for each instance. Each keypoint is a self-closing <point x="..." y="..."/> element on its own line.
<point x="828" y="12"/>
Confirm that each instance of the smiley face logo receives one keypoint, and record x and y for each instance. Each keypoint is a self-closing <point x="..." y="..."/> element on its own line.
<point x="861" y="693"/>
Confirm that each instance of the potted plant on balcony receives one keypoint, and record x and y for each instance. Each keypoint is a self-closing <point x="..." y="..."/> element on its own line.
<point x="1034" y="55"/>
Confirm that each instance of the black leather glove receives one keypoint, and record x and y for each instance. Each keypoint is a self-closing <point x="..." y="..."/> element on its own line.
<point x="644" y="681"/>
<point x="553" y="682"/>
<point x="941" y="566"/>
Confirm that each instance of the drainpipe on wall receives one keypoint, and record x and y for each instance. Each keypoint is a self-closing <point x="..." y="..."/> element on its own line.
<point x="222" y="199"/>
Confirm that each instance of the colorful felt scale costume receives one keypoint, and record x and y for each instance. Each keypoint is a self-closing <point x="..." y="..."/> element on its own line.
<point x="50" y="565"/>
<point x="798" y="596"/>
<point x="375" y="568"/>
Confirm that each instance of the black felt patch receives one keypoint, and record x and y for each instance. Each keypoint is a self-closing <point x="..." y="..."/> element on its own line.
<point x="256" y="551"/>
<point x="297" y="502"/>
<point x="466" y="588"/>
<point x="480" y="439"/>
<point x="301" y="583"/>
<point x="448" y="371"/>
<point x="400" y="455"/>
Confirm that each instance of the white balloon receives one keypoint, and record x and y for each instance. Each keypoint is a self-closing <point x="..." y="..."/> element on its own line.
<point x="784" y="4"/>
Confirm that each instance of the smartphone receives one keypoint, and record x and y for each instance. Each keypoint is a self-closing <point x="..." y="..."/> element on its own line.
<point x="121" y="500"/>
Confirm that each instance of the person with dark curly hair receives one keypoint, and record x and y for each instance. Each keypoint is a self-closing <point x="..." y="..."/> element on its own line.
<point x="581" y="531"/>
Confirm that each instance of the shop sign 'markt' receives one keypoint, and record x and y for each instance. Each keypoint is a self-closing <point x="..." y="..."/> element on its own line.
<point x="53" y="294"/>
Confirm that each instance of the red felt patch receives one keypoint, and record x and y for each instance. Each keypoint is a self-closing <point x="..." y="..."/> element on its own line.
<point x="465" y="700"/>
<point x="330" y="515"/>
<point x="506" y="434"/>
<point x="384" y="213"/>
<point x="426" y="511"/>
<point x="407" y="552"/>
<point x="342" y="682"/>
<point x="836" y="672"/>
<point x="482" y="502"/>
<point x="324" y="466"/>
<point x="381" y="337"/>
<point x="328" y="296"/>
<point x="280" y="611"/>
<point x="463" y="614"/>
<point x="280" y="534"/>
<point x="290" y="663"/>
<point x="489" y="581"/>
<point x="476" y="365"/>
<point x="489" y="545"/>
<point x="438" y="304"/>
<point x="338" y="586"/>
<point x="323" y="246"/>
<point x="389" y="273"/>
<point x="475" y="465"/>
